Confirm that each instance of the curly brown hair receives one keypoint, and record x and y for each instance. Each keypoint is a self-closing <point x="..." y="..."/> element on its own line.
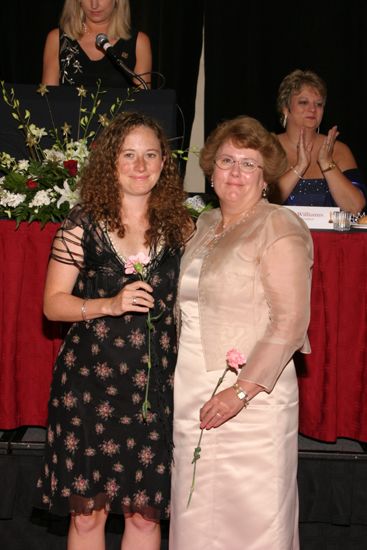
<point x="293" y="83"/>
<point x="101" y="193"/>
<point x="248" y="132"/>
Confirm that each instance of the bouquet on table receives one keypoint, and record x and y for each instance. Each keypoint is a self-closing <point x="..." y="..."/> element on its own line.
<point x="43" y="187"/>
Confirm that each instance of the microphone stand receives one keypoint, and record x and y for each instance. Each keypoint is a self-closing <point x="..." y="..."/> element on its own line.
<point x="103" y="43"/>
<point x="137" y="77"/>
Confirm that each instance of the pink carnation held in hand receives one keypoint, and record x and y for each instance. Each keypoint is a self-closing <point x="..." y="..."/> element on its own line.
<point x="134" y="264"/>
<point x="235" y="359"/>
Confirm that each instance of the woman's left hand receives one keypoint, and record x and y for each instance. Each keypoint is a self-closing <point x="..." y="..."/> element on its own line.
<point x="220" y="408"/>
<point x="325" y="156"/>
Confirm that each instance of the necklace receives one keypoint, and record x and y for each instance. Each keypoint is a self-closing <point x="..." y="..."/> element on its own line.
<point x="213" y="236"/>
<point x="155" y="253"/>
<point x="87" y="31"/>
<point x="222" y="227"/>
<point x="114" y="246"/>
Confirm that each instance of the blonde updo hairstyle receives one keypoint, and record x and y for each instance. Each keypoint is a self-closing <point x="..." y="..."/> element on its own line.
<point x="246" y="132"/>
<point x="293" y="83"/>
<point x="72" y="20"/>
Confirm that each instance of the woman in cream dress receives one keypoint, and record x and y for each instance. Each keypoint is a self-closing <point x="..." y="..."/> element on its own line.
<point x="245" y="284"/>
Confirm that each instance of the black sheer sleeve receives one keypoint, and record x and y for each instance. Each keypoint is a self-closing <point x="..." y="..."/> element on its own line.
<point x="67" y="246"/>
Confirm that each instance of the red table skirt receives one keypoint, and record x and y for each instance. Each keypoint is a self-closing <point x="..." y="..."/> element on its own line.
<point x="333" y="382"/>
<point x="332" y="379"/>
<point x="28" y="342"/>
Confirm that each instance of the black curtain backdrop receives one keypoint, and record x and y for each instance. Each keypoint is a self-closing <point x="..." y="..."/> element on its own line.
<point x="24" y="27"/>
<point x="249" y="48"/>
<point x="176" y="32"/>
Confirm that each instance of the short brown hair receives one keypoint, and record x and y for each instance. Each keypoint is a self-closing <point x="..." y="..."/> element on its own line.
<point x="245" y="131"/>
<point x="101" y="193"/>
<point x="293" y="83"/>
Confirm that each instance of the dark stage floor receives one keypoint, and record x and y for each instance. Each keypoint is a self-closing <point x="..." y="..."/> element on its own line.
<point x="332" y="482"/>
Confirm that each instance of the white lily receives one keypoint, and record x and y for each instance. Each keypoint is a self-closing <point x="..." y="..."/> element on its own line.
<point x="66" y="194"/>
<point x="37" y="132"/>
<point x="23" y="165"/>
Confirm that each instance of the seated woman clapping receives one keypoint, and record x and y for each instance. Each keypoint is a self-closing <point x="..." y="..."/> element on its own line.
<point x="322" y="170"/>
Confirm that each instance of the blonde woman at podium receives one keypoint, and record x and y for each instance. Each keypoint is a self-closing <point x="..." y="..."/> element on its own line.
<point x="73" y="55"/>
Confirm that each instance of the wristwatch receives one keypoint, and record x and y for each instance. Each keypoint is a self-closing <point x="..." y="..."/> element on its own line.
<point x="331" y="166"/>
<point x="241" y="394"/>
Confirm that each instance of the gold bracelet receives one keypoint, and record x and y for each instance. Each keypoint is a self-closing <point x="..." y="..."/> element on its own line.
<point x="83" y="310"/>
<point x="241" y="394"/>
<point x="331" y="166"/>
<point x="296" y="172"/>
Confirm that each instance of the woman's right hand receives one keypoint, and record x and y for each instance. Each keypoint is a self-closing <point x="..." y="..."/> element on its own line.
<point x="132" y="297"/>
<point x="303" y="152"/>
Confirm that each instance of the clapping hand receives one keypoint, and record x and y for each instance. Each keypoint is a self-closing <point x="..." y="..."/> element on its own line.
<point x="303" y="152"/>
<point x="327" y="148"/>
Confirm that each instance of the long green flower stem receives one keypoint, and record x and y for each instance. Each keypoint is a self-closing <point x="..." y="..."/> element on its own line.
<point x="146" y="404"/>
<point x="197" y="449"/>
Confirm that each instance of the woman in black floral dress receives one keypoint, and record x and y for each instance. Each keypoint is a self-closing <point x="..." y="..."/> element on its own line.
<point x="104" y="453"/>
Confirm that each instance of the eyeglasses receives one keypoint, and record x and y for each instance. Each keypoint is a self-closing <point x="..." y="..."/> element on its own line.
<point x="246" y="166"/>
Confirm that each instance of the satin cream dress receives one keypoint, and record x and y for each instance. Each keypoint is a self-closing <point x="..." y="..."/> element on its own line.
<point x="245" y="495"/>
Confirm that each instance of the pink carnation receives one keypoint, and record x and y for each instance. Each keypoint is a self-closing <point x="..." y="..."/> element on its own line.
<point x="134" y="264"/>
<point x="235" y="359"/>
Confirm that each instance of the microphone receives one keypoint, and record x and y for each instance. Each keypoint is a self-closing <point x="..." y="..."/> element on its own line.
<point x="103" y="43"/>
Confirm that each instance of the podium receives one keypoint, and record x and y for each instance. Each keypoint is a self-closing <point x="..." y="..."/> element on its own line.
<point x="61" y="104"/>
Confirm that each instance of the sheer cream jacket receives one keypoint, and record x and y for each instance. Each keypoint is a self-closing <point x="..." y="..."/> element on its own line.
<point x="254" y="289"/>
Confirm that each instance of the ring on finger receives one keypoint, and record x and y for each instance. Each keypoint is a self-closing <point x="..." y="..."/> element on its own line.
<point x="134" y="301"/>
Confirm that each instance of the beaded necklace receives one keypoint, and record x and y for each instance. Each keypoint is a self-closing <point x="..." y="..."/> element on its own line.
<point x="213" y="235"/>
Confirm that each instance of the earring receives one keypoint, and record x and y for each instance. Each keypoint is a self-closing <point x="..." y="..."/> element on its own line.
<point x="284" y="123"/>
<point x="211" y="182"/>
<point x="264" y="193"/>
<point x="318" y="130"/>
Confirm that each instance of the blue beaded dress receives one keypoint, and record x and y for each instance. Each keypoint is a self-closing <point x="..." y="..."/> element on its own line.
<point x="315" y="192"/>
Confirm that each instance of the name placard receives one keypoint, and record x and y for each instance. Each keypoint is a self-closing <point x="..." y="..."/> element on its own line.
<point x="316" y="217"/>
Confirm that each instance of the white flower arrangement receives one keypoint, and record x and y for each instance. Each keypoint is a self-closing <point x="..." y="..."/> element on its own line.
<point x="196" y="205"/>
<point x="45" y="186"/>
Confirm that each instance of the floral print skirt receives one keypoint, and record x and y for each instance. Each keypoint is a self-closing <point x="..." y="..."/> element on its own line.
<point x="100" y="452"/>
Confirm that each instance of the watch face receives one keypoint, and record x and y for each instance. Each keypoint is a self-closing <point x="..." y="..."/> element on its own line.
<point x="241" y="394"/>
